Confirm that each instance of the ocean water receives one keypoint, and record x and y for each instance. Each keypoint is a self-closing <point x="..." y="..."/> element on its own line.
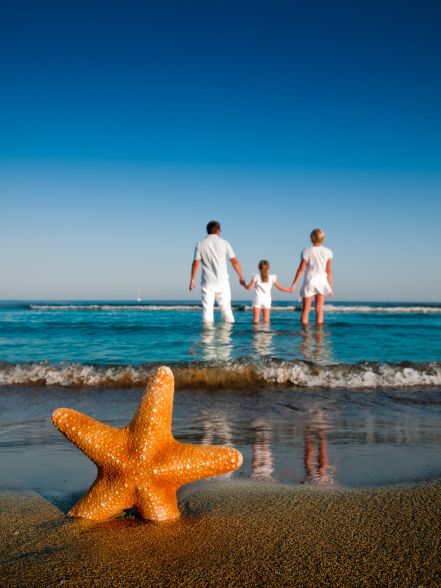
<point x="354" y="403"/>
<point x="361" y="345"/>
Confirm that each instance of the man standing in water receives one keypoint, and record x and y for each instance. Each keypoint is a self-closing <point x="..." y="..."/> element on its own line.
<point x="213" y="252"/>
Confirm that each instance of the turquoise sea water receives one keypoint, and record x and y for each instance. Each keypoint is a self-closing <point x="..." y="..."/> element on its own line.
<point x="355" y="403"/>
<point x="103" y="343"/>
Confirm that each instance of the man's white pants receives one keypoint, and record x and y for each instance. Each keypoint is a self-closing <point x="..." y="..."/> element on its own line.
<point x="222" y="294"/>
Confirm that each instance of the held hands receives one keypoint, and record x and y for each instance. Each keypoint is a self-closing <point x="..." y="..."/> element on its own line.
<point x="192" y="284"/>
<point x="242" y="282"/>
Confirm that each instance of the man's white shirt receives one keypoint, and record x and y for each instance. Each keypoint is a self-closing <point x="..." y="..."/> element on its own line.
<point x="213" y="252"/>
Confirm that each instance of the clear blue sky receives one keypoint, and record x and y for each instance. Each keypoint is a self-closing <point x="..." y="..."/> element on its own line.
<point x="126" y="126"/>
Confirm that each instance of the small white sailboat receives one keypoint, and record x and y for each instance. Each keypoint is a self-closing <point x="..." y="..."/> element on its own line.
<point x="138" y="296"/>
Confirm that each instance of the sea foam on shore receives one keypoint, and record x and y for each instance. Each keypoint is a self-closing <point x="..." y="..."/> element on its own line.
<point x="232" y="374"/>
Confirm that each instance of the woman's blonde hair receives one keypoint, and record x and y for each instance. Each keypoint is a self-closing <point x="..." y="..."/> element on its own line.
<point x="317" y="236"/>
<point x="264" y="270"/>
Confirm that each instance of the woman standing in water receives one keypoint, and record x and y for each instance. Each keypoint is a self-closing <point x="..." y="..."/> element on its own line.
<point x="317" y="261"/>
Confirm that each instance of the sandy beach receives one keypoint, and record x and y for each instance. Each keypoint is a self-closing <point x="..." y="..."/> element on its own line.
<point x="338" y="488"/>
<point x="220" y="294"/>
<point x="234" y="534"/>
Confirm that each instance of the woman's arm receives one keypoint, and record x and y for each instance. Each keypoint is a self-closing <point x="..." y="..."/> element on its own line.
<point x="299" y="272"/>
<point x="329" y="273"/>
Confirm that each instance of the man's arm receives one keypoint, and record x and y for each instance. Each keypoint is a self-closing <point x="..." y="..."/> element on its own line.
<point x="236" y="265"/>
<point x="248" y="286"/>
<point x="194" y="270"/>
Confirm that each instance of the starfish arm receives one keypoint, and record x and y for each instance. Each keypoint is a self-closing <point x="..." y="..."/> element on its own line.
<point x="157" y="503"/>
<point x="189" y="463"/>
<point x="141" y="465"/>
<point x="151" y="425"/>
<point x="96" y="440"/>
<point x="105" y="499"/>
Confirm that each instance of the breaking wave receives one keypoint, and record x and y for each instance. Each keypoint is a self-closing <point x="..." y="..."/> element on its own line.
<point x="384" y="309"/>
<point x="107" y="307"/>
<point x="331" y="308"/>
<point x="293" y="374"/>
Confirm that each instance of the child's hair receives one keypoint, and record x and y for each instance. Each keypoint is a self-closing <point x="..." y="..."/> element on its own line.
<point x="264" y="270"/>
<point x="317" y="236"/>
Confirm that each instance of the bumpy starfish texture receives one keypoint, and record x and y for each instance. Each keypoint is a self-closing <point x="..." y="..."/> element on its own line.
<point x="141" y="465"/>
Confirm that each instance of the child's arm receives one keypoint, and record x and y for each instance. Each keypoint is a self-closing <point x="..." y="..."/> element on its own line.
<point x="299" y="272"/>
<point x="281" y="288"/>
<point x="248" y="286"/>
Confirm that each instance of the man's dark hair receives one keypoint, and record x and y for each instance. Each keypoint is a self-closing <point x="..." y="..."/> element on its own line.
<point x="212" y="227"/>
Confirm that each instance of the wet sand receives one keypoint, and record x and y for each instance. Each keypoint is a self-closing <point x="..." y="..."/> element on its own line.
<point x="234" y="534"/>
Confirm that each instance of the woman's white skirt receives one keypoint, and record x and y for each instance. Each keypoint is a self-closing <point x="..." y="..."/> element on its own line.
<point x="313" y="285"/>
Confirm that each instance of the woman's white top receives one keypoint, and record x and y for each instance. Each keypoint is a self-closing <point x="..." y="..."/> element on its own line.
<point x="316" y="279"/>
<point x="262" y="290"/>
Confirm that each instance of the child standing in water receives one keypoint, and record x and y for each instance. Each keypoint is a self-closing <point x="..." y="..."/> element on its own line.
<point x="262" y="283"/>
<point x="317" y="261"/>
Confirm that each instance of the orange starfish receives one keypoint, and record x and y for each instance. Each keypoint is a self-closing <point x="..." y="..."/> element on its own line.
<point x="141" y="465"/>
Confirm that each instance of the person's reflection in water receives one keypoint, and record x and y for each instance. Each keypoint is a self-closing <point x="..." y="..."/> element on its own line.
<point x="217" y="431"/>
<point x="318" y="471"/>
<point x="262" y="466"/>
<point x="262" y="340"/>
<point x="316" y="345"/>
<point x="216" y="342"/>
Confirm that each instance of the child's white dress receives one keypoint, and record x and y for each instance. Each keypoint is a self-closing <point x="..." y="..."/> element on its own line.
<point x="316" y="279"/>
<point x="262" y="291"/>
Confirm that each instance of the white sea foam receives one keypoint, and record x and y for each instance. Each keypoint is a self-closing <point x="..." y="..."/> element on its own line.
<point x="109" y="307"/>
<point x="71" y="374"/>
<point x="359" y="376"/>
<point x="330" y="308"/>
<point x="295" y="374"/>
<point x="384" y="309"/>
<point x="365" y="309"/>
